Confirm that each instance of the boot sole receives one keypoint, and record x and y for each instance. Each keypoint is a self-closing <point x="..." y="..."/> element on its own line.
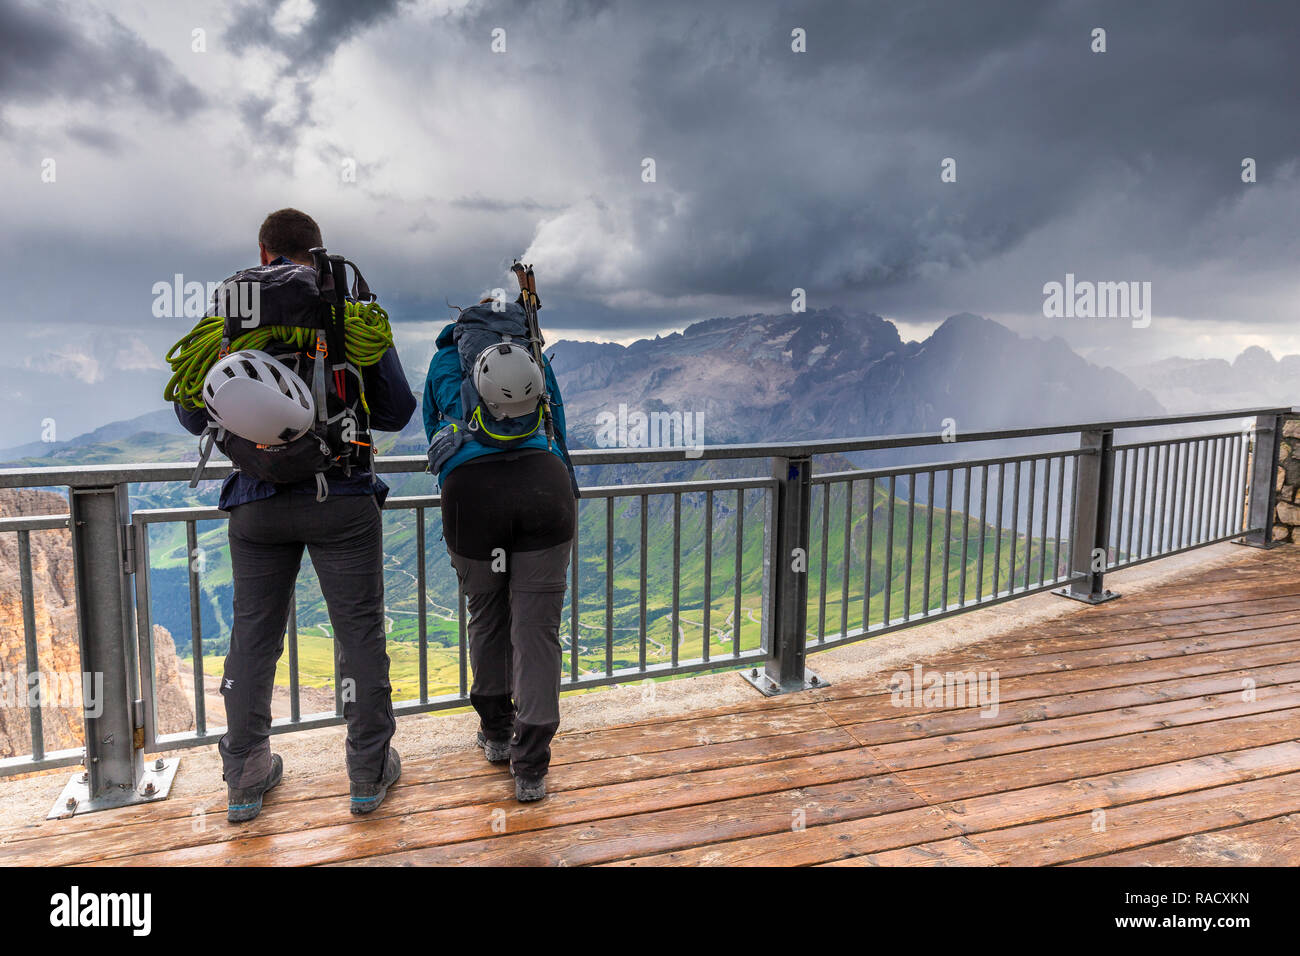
<point x="363" y="805"/>
<point x="243" y="812"/>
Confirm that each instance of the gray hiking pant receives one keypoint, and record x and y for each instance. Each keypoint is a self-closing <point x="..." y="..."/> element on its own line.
<point x="514" y="605"/>
<point x="344" y="536"/>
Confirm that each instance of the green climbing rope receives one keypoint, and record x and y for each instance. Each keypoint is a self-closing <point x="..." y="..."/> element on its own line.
<point x="366" y="333"/>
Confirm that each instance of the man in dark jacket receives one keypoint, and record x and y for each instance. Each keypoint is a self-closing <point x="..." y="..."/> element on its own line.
<point x="270" y="525"/>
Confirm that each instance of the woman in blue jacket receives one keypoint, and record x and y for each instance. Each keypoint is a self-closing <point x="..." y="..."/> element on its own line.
<point x="508" y="521"/>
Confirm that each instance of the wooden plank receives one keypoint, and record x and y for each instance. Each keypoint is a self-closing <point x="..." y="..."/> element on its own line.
<point x="1032" y="645"/>
<point x="1274" y="842"/>
<point x="1114" y="616"/>
<point x="623" y="837"/>
<point x="1053" y="697"/>
<point x="1252" y="577"/>
<point x="1027" y="768"/>
<point x="1110" y="659"/>
<point x="958" y="851"/>
<point x="413" y="794"/>
<point x="296" y="787"/>
<point x="1015" y="738"/>
<point x="434" y="828"/>
<point x="1145" y="651"/>
<point x="1083" y="835"/>
<point x="1125" y="662"/>
<point x="873" y="833"/>
<point x="1153" y="620"/>
<point x="568" y="749"/>
<point x="653" y="738"/>
<point x="1281" y="563"/>
<point x="1195" y="595"/>
<point x="889" y="723"/>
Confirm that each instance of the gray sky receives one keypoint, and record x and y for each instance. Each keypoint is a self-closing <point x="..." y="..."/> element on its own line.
<point x="774" y="169"/>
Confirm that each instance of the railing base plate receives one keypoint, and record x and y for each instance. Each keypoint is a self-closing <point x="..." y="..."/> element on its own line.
<point x="1102" y="598"/>
<point x="76" y="800"/>
<point x="1257" y="545"/>
<point x="770" y="688"/>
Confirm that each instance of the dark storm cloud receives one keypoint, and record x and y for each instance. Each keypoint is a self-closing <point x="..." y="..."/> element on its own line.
<point x="823" y="168"/>
<point x="776" y="169"/>
<point x="53" y="51"/>
<point x="308" y="52"/>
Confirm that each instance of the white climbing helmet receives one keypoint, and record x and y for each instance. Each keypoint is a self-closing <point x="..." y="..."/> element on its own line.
<point x="508" y="380"/>
<point x="252" y="395"/>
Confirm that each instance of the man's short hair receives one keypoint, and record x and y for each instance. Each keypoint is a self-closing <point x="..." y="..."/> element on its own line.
<point x="290" y="233"/>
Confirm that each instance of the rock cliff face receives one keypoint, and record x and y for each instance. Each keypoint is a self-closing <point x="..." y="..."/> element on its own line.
<point x="836" y="373"/>
<point x="54" y="607"/>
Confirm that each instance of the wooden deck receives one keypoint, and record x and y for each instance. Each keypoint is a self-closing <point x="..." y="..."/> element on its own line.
<point x="1159" y="729"/>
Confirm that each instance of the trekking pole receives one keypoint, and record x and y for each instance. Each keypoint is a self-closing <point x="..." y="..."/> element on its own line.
<point x="528" y="298"/>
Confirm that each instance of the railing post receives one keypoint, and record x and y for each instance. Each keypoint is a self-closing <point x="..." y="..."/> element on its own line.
<point x="785" y="616"/>
<point x="103" y="549"/>
<point x="1263" y="482"/>
<point x="1089" y="548"/>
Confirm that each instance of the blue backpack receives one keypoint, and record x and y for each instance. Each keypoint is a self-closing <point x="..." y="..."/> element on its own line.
<point x="478" y="328"/>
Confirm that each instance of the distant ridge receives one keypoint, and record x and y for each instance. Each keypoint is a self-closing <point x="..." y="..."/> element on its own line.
<point x="837" y="373"/>
<point x="1253" y="378"/>
<point x="161" y="421"/>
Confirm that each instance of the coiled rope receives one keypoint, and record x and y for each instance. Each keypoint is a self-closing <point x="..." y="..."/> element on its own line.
<point x="366" y="333"/>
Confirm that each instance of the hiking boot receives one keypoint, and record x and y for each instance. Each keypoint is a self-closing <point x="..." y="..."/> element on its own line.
<point x="528" y="790"/>
<point x="244" y="803"/>
<point x="496" y="751"/>
<point x="366" y="797"/>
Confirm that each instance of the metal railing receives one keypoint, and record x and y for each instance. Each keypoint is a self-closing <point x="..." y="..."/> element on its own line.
<point x="789" y="563"/>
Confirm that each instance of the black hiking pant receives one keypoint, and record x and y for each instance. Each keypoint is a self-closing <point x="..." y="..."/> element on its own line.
<point x="344" y="536"/>
<point x="508" y="520"/>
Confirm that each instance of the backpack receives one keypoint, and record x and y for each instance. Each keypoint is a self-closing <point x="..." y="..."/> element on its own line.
<point x="478" y="328"/>
<point x="313" y="298"/>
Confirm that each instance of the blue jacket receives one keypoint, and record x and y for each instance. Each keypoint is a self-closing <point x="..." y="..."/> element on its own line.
<point x="442" y="397"/>
<point x="391" y="407"/>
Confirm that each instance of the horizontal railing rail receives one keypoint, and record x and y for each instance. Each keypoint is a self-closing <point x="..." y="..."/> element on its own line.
<point x="666" y="577"/>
